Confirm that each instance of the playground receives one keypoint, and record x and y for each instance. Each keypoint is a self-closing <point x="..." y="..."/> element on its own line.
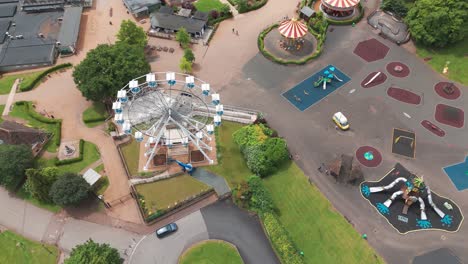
<point x="315" y="88"/>
<point x="458" y="174"/>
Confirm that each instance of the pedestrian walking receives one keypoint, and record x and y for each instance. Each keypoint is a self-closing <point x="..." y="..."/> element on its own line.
<point x="237" y="33"/>
<point x="232" y="30"/>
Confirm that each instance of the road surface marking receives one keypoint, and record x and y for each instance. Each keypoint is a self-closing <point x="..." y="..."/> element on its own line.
<point x="352" y="91"/>
<point x="407" y="115"/>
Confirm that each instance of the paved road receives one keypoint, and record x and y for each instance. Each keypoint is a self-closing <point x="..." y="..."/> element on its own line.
<point x="227" y="222"/>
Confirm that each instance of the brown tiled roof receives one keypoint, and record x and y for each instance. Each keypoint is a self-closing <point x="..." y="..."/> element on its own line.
<point x="15" y="134"/>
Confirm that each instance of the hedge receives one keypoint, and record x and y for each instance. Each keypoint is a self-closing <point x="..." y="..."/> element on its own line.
<point x="253" y="7"/>
<point x="96" y="119"/>
<point x="350" y="21"/>
<point x="44" y="74"/>
<point x="218" y="20"/>
<point x="70" y="161"/>
<point x="320" y="41"/>
<point x="260" y="199"/>
<point x="280" y="239"/>
<point x="32" y="113"/>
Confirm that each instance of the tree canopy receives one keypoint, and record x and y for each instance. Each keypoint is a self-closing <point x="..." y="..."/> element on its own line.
<point x="39" y="182"/>
<point x="69" y="189"/>
<point x="185" y="65"/>
<point x="188" y="55"/>
<point x="183" y="37"/>
<point x="132" y="34"/>
<point x="438" y="23"/>
<point x="397" y="7"/>
<point x="94" y="253"/>
<point x="107" y="68"/>
<point x="14" y="160"/>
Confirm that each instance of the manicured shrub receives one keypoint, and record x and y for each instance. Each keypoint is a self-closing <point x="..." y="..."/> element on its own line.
<point x="214" y="14"/>
<point x="260" y="198"/>
<point x="251" y="135"/>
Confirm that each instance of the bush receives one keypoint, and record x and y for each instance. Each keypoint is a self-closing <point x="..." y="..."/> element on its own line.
<point x="264" y="159"/>
<point x="214" y="14"/>
<point x="242" y="194"/>
<point x="280" y="239"/>
<point x="14" y="160"/>
<point x="397" y="7"/>
<point x="69" y="189"/>
<point x="94" y="253"/>
<point x="44" y="74"/>
<point x="251" y="135"/>
<point x="244" y="7"/>
<point x="260" y="198"/>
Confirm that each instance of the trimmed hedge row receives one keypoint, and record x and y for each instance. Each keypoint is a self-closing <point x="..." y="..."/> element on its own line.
<point x="320" y="41"/>
<point x="280" y="239"/>
<point x="218" y="20"/>
<point x="253" y="7"/>
<point x="32" y="113"/>
<point x="350" y="21"/>
<point x="96" y="119"/>
<point x="44" y="74"/>
<point x="58" y="162"/>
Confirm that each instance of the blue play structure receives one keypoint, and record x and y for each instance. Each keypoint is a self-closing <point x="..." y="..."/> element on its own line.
<point x="458" y="174"/>
<point x="316" y="87"/>
<point x="186" y="167"/>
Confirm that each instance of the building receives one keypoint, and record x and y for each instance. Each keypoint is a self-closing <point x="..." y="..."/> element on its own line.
<point x="141" y="7"/>
<point x="50" y="5"/>
<point x="13" y="133"/>
<point x="169" y="23"/>
<point x="69" y="31"/>
<point x="306" y="13"/>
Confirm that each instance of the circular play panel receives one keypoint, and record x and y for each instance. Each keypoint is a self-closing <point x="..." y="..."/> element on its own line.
<point x="449" y="115"/>
<point x="368" y="156"/>
<point x="373" y="79"/>
<point x="447" y="90"/>
<point x="398" y="69"/>
<point x="404" y="96"/>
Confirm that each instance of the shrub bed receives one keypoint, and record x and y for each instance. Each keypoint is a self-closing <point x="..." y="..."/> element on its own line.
<point x="253" y="7"/>
<point x="35" y="82"/>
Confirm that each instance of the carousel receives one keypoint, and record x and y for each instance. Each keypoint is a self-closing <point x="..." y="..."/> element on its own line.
<point x="293" y="32"/>
<point x="339" y="9"/>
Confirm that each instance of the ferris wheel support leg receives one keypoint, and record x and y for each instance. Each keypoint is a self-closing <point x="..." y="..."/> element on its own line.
<point x="155" y="148"/>
<point x="190" y="135"/>
<point x="188" y="119"/>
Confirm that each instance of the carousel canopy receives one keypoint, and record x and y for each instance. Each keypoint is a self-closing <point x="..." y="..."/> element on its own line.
<point x="292" y="28"/>
<point x="340" y="4"/>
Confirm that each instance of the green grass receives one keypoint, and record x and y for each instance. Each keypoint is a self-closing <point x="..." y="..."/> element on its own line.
<point x="457" y="55"/>
<point x="131" y="154"/>
<point x="99" y="168"/>
<point x="304" y="210"/>
<point x="231" y="165"/>
<point x="7" y="81"/>
<point x="162" y="194"/>
<point x="25" y="195"/>
<point x="211" y="252"/>
<point x="17" y="249"/>
<point x="94" y="112"/>
<point x="2" y="107"/>
<point x="90" y="155"/>
<point x="20" y="111"/>
<point x="208" y="5"/>
<point x="101" y="185"/>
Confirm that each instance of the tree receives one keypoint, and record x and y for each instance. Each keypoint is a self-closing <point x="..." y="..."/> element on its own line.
<point x="183" y="37"/>
<point x="438" y="23"/>
<point x="397" y="7"/>
<point x="39" y="182"/>
<point x="94" y="253"/>
<point x="242" y="6"/>
<point x="69" y="189"/>
<point x="214" y="14"/>
<point x="106" y="69"/>
<point x="131" y="34"/>
<point x="188" y="55"/>
<point x="185" y="65"/>
<point x="14" y="160"/>
<point x="225" y="9"/>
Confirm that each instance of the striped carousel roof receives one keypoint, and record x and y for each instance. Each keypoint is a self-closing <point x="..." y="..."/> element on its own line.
<point x="341" y="3"/>
<point x="292" y="28"/>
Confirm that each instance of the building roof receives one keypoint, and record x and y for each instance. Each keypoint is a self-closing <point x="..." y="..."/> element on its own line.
<point x="166" y="10"/>
<point x="70" y="28"/>
<point x="307" y="11"/>
<point x="201" y="15"/>
<point x="91" y="176"/>
<point x="136" y="6"/>
<point x="31" y="53"/>
<point x="8" y="1"/>
<point x="4" y="26"/>
<point x="184" y="12"/>
<point x="7" y="10"/>
<point x="174" y="22"/>
<point x="16" y="134"/>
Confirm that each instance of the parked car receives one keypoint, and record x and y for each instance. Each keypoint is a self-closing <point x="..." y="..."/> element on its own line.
<point x="341" y="121"/>
<point x="166" y="230"/>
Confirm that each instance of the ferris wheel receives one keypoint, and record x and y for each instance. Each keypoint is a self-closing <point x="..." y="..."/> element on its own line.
<point x="168" y="109"/>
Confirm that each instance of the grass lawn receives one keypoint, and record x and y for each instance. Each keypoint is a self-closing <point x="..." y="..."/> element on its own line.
<point x="7" y="81"/>
<point x="162" y="194"/>
<point x="24" y="194"/>
<point x="99" y="168"/>
<point x="208" y="5"/>
<point x="90" y="155"/>
<point x="95" y="112"/>
<point x="456" y="54"/>
<point x="231" y="165"/>
<point x="20" y="112"/>
<point x="2" y="107"/>
<point x="101" y="185"/>
<point x="131" y="154"/>
<point x="314" y="225"/>
<point x="208" y="252"/>
<point x="17" y="249"/>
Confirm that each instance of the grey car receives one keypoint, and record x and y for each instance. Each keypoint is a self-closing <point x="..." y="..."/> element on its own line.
<point x="166" y="230"/>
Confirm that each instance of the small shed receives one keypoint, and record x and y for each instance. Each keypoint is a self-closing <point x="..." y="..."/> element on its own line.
<point x="307" y="13"/>
<point x="91" y="176"/>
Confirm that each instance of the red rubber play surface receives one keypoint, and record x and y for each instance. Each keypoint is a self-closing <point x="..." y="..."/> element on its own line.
<point x="433" y="128"/>
<point x="398" y="69"/>
<point x="378" y="80"/>
<point x="447" y="90"/>
<point x="404" y="96"/>
<point x="360" y="155"/>
<point x="371" y="50"/>
<point x="450" y="115"/>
